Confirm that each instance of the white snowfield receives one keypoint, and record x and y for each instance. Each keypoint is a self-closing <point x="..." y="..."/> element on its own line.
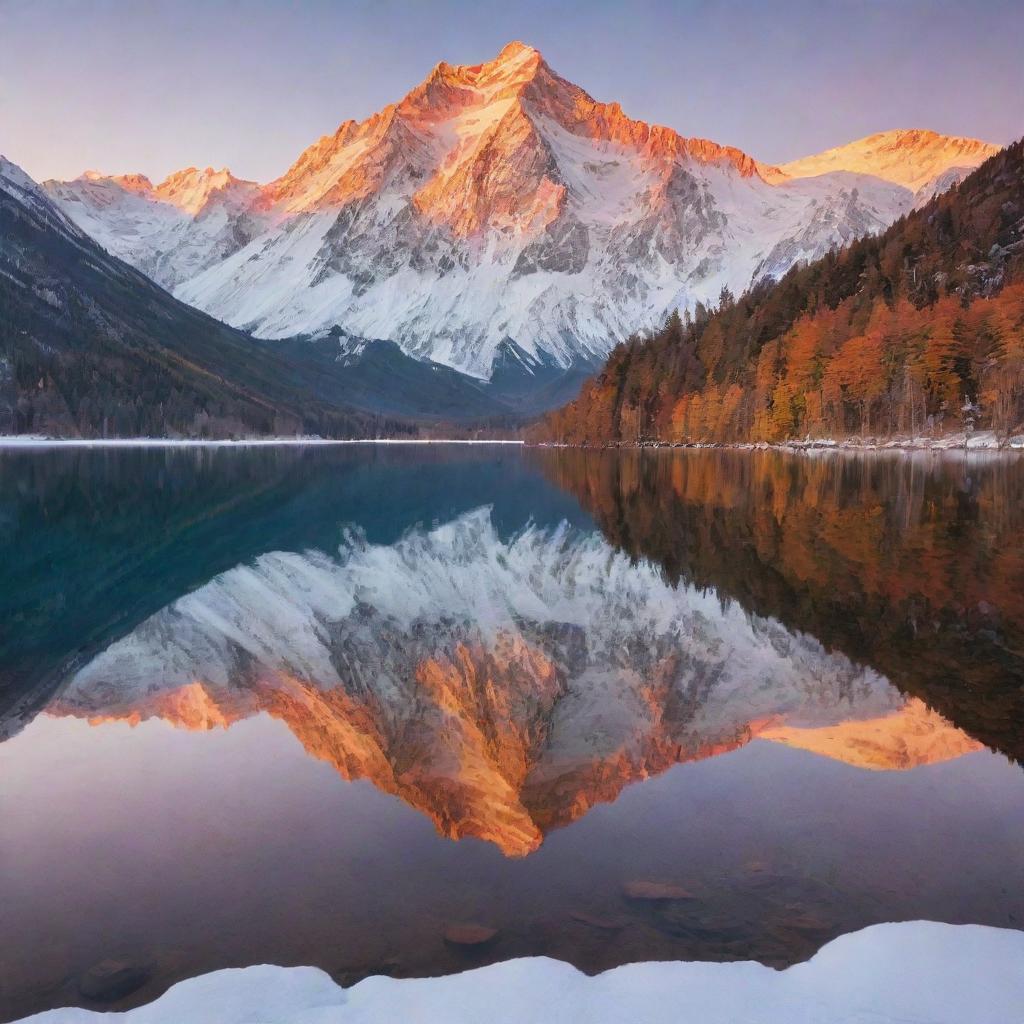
<point x="915" y="972"/>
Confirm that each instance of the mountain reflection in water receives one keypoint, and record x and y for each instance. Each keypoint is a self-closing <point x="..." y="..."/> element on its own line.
<point x="686" y="705"/>
<point x="501" y="687"/>
<point x="911" y="564"/>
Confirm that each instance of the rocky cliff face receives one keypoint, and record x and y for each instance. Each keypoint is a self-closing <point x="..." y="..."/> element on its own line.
<point x="501" y="687"/>
<point x="498" y="202"/>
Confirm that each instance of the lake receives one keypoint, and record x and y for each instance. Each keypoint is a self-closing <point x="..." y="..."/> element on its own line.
<point x="408" y="710"/>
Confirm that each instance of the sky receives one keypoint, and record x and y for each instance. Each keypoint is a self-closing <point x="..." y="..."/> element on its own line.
<point x="155" y="85"/>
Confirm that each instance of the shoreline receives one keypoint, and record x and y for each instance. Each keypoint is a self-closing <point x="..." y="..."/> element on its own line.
<point x="982" y="443"/>
<point x="14" y="441"/>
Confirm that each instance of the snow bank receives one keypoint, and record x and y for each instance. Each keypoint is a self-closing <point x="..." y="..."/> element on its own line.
<point x="911" y="973"/>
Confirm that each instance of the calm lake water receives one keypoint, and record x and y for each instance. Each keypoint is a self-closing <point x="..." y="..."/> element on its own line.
<point x="331" y="706"/>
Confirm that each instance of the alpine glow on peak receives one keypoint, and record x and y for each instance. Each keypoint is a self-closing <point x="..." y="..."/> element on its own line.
<point x="497" y="203"/>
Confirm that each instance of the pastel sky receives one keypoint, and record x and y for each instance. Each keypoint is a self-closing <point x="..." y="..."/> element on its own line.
<point x="155" y="85"/>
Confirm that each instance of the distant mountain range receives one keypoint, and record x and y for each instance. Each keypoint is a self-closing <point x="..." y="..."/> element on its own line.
<point x="498" y="218"/>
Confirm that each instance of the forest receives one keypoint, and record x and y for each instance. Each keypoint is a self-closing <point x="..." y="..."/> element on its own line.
<point x="917" y="331"/>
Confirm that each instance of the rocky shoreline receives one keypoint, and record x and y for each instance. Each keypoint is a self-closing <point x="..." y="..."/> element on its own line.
<point x="981" y="441"/>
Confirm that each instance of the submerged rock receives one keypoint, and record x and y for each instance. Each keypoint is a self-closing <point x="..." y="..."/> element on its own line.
<point x="110" y="980"/>
<point x="469" y="935"/>
<point x="647" y="890"/>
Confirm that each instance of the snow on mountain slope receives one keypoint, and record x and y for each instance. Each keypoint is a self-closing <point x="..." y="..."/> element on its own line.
<point x="192" y="189"/>
<point x="27" y="192"/>
<point x="126" y="222"/>
<point x="911" y="157"/>
<point x="499" y="202"/>
<point x="170" y="231"/>
<point x="502" y="687"/>
<point x="940" y="183"/>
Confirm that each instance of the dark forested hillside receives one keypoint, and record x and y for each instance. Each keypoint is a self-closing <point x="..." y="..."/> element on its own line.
<point x="918" y="330"/>
<point x="90" y="347"/>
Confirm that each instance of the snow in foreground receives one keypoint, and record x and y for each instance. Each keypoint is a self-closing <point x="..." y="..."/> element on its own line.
<point x="911" y="973"/>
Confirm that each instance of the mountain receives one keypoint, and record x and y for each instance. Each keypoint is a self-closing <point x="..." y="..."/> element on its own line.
<point x="916" y="332"/>
<point x="171" y="231"/>
<point x="502" y="687"/>
<point x="914" y="158"/>
<point x="91" y="347"/>
<point x="380" y="377"/>
<point x="497" y="208"/>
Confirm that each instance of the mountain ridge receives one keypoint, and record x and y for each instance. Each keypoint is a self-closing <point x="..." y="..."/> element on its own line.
<point x="498" y="201"/>
<point x="883" y="154"/>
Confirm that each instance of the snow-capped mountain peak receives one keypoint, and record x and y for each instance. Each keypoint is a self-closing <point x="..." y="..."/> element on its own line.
<point x="190" y="189"/>
<point x="414" y="143"/>
<point x="911" y="157"/>
<point x="171" y="231"/>
<point x="499" y="202"/>
<point x="137" y="183"/>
